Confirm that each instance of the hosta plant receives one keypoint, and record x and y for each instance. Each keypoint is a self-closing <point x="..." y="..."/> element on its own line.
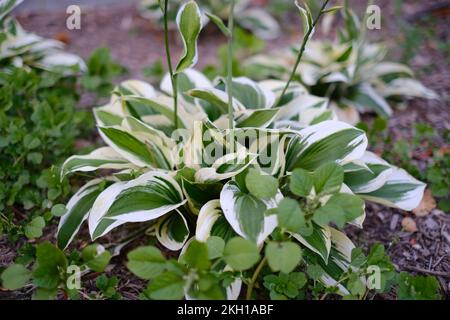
<point x="351" y="71"/>
<point x="255" y="19"/>
<point x="21" y="49"/>
<point x="239" y="176"/>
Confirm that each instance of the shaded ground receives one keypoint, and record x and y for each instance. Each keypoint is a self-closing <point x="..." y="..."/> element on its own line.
<point x="136" y="43"/>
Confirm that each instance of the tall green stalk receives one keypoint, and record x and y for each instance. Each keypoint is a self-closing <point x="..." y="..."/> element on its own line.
<point x="230" y="65"/>
<point x="173" y="77"/>
<point x="302" y="49"/>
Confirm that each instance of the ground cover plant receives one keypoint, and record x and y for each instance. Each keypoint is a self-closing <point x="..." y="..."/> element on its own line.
<point x="38" y="124"/>
<point x="235" y="188"/>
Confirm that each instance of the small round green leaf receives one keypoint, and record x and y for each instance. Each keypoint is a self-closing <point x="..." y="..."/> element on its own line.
<point x="283" y="256"/>
<point x="260" y="185"/>
<point x="146" y="262"/>
<point x="15" y="277"/>
<point x="59" y="210"/>
<point x="216" y="245"/>
<point x="241" y="254"/>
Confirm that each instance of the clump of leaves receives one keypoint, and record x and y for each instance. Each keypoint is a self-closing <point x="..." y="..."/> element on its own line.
<point x="21" y="49"/>
<point x="350" y="71"/>
<point x="101" y="72"/>
<point x="53" y="272"/>
<point x="38" y="127"/>
<point x="236" y="176"/>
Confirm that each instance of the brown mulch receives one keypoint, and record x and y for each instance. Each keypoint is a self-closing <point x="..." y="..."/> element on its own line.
<point x="136" y="43"/>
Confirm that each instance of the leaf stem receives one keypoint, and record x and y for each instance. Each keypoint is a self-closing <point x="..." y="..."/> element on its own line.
<point x="173" y="77"/>
<point x="230" y="65"/>
<point x="254" y="278"/>
<point x="302" y="50"/>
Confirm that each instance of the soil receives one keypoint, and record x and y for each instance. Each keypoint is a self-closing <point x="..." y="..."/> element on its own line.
<point x="137" y="42"/>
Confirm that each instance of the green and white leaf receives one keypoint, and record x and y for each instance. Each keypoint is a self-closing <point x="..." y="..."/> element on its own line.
<point x="225" y="167"/>
<point x="369" y="176"/>
<point x="319" y="241"/>
<point x="401" y="191"/>
<point x="366" y="98"/>
<point x="102" y="158"/>
<point x="146" y="198"/>
<point x="172" y="231"/>
<point x="142" y="153"/>
<point x="246" y="213"/>
<point x="78" y="209"/>
<point x="259" y="22"/>
<point x="324" y="142"/>
<point x="189" y="22"/>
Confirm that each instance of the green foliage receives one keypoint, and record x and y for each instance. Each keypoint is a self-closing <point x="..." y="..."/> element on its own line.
<point x="284" y="286"/>
<point x="235" y="221"/>
<point x="261" y="186"/>
<point x="15" y="277"/>
<point x="38" y="127"/>
<point x="146" y="262"/>
<point x="240" y="254"/>
<point x="283" y="256"/>
<point x="417" y="287"/>
<point x="102" y="70"/>
<point x="108" y="287"/>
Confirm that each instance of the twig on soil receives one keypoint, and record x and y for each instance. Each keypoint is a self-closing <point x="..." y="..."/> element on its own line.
<point x="434" y="273"/>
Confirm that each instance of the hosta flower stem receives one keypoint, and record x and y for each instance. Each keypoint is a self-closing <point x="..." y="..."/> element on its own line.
<point x="230" y="65"/>
<point x="173" y="77"/>
<point x="302" y="49"/>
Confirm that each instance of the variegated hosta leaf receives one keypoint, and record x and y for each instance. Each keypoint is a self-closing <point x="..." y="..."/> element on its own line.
<point x="401" y="191"/>
<point x="157" y="111"/>
<point x="358" y="222"/>
<point x="61" y="61"/>
<point x="172" y="231"/>
<point x="366" y="98"/>
<point x="259" y="22"/>
<point x="205" y="145"/>
<point x="78" y="209"/>
<point x="189" y="22"/>
<point x="305" y="109"/>
<point x="155" y="140"/>
<point x="324" y="142"/>
<point x="407" y="87"/>
<point x="187" y="80"/>
<point x="345" y="111"/>
<point x="198" y="194"/>
<point x="261" y="118"/>
<point x="267" y="144"/>
<point x="217" y="98"/>
<point x="146" y="198"/>
<point x="139" y="151"/>
<point x="246" y="213"/>
<point x="384" y="69"/>
<point x="102" y="158"/>
<point x="136" y="88"/>
<point x="111" y="114"/>
<point x="265" y="66"/>
<point x="6" y="6"/>
<point x="338" y="262"/>
<point x="277" y="86"/>
<point x="368" y="175"/>
<point x="211" y="222"/>
<point x="251" y="94"/>
<point x="319" y="241"/>
<point x="226" y="167"/>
